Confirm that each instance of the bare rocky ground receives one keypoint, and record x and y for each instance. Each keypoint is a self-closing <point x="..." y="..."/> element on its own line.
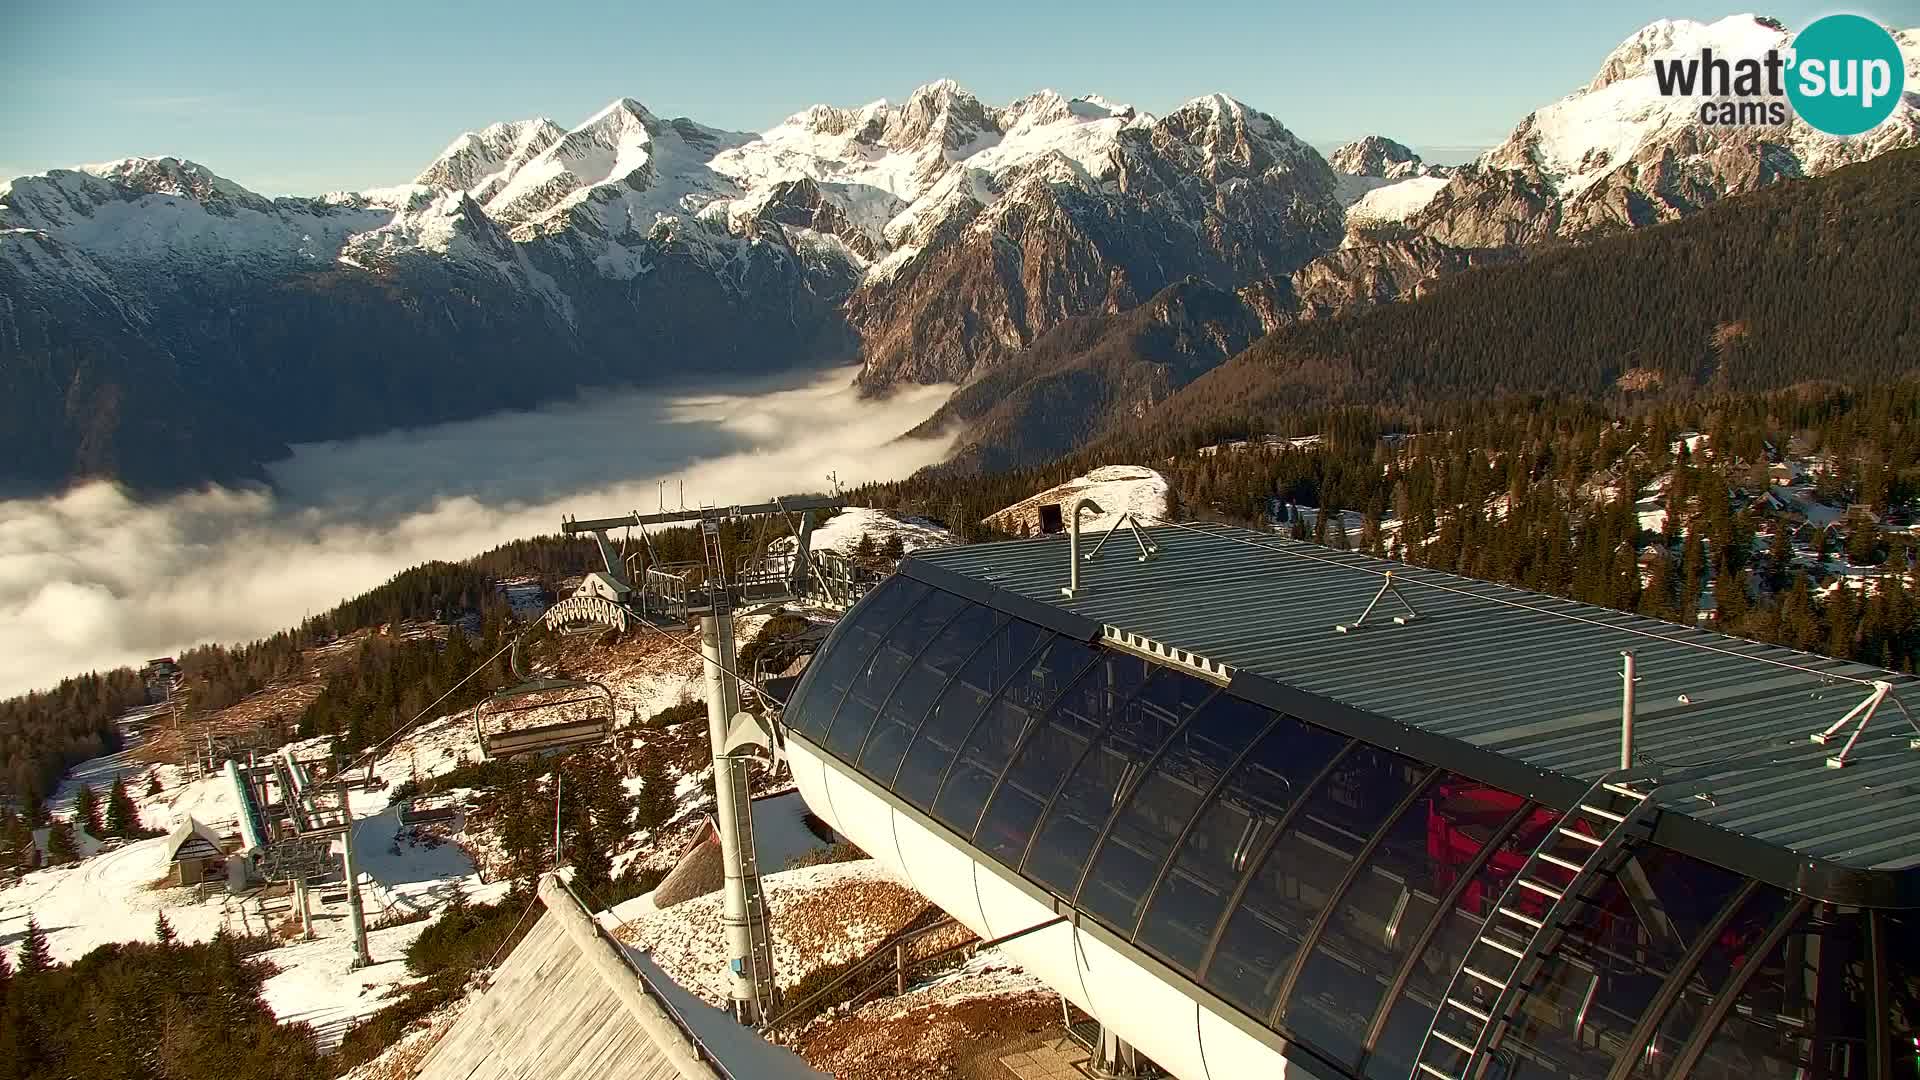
<point x="926" y="1035"/>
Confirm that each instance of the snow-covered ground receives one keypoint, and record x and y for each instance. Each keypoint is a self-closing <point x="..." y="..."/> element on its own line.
<point x="318" y="984"/>
<point x="1117" y="489"/>
<point x="106" y="899"/>
<point x="100" y="773"/>
<point x="843" y="531"/>
<point x="820" y="915"/>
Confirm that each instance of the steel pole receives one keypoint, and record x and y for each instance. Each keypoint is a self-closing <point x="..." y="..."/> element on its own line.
<point x="1626" y="709"/>
<point x="356" y="919"/>
<point x="723" y="701"/>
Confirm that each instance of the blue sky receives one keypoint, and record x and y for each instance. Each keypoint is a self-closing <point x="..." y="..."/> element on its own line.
<point x="303" y="98"/>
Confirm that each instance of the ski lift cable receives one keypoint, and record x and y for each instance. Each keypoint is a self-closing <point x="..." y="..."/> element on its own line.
<point x="532" y="899"/>
<point x="409" y="725"/>
<point x="745" y="680"/>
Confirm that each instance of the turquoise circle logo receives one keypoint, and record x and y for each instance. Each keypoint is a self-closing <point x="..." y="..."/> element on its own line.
<point x="1847" y="76"/>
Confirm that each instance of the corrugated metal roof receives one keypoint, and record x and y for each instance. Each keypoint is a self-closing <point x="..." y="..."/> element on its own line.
<point x="1527" y="676"/>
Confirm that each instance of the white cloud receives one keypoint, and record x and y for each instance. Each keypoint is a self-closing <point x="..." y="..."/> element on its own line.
<point x="94" y="579"/>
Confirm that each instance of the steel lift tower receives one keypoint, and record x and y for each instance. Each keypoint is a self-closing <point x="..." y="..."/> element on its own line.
<point x="707" y="594"/>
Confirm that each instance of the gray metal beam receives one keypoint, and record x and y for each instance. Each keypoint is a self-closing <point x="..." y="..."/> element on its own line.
<point x="574" y="526"/>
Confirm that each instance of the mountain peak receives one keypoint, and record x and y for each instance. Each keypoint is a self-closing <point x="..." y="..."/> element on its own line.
<point x="1381" y="157"/>
<point x="477" y="156"/>
<point x="941" y="91"/>
<point x="941" y="110"/>
<point x="1739" y="35"/>
<point x="169" y="176"/>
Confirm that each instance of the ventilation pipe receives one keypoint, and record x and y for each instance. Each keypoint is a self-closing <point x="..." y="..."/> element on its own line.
<point x="1080" y="506"/>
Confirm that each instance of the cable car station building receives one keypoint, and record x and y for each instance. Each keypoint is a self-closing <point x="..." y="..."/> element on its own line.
<point x="1262" y="833"/>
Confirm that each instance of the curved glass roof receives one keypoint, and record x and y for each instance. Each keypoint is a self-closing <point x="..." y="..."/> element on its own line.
<point x="1326" y="887"/>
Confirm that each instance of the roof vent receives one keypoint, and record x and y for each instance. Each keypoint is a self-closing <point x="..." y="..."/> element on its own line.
<point x="1081" y="505"/>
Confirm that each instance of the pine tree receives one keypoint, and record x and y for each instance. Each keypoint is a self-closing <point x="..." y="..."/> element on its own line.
<point x="163" y="930"/>
<point x="1779" y="556"/>
<point x="61" y="846"/>
<point x="16" y="839"/>
<point x="587" y="854"/>
<point x="35" y="957"/>
<point x="86" y="809"/>
<point x="654" y="805"/>
<point x="153" y="786"/>
<point x="1842" y="620"/>
<point x="123" y="818"/>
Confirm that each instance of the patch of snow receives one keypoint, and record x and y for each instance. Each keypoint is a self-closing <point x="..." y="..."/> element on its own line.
<point x="843" y="531"/>
<point x="1117" y="489"/>
<point x="1396" y="201"/>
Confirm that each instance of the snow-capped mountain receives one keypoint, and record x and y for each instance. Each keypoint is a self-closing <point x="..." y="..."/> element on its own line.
<point x="623" y="249"/>
<point x="170" y="326"/>
<point x="1616" y="154"/>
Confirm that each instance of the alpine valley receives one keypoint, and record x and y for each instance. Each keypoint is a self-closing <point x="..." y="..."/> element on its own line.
<point x="1067" y="261"/>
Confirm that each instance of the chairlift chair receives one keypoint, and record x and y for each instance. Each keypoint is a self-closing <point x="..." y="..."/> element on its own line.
<point x="543" y="716"/>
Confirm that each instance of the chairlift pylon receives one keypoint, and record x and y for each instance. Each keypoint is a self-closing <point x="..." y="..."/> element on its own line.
<point x="542" y="716"/>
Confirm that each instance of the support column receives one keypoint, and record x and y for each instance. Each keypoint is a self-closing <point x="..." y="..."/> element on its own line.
<point x="729" y="782"/>
<point x="1117" y="1060"/>
<point x="305" y="901"/>
<point x="356" y="919"/>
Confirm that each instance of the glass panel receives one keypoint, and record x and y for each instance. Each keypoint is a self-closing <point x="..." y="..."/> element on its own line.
<point x="1049" y="753"/>
<point x="875" y="679"/>
<point x="1900" y="946"/>
<point x="1387" y="908"/>
<point x="853" y="641"/>
<point x="1299" y="875"/>
<point x="959" y="707"/>
<point x="1610" y="965"/>
<point x="915" y="695"/>
<point x="1804" y="1012"/>
<point x="1729" y="951"/>
<point x="1006" y="722"/>
<point x="1233" y="826"/>
<point x="1399" y="1044"/>
<point x="1106" y="773"/>
<point x="1145" y="829"/>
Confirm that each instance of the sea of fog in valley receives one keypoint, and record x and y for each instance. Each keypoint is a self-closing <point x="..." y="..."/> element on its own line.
<point x="94" y="579"/>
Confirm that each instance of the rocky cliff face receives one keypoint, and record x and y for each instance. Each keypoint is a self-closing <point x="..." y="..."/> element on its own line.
<point x="1214" y="190"/>
<point x="1380" y="157"/>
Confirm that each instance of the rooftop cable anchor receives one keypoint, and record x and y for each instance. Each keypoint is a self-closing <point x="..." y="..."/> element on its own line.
<point x="1864" y="711"/>
<point x="1386" y="587"/>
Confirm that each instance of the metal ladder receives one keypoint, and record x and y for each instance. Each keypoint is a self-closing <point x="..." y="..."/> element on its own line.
<point x="717" y="592"/>
<point x="1515" y="942"/>
<point x="760" y="942"/>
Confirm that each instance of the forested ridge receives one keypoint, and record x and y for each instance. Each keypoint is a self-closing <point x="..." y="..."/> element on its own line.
<point x="1541" y="491"/>
<point x="1807" y="280"/>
